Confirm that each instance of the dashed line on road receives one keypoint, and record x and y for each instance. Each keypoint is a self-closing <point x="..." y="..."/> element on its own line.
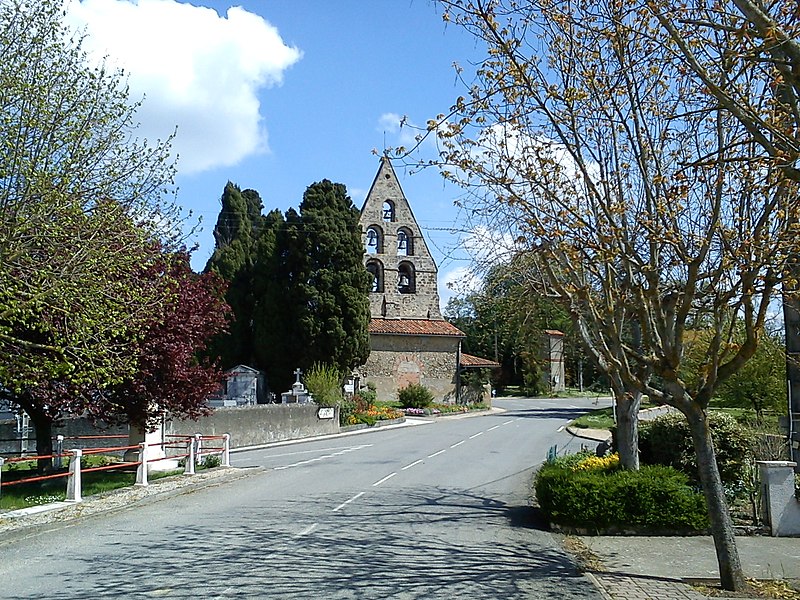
<point x="345" y="503"/>
<point x="416" y="462"/>
<point x="388" y="477"/>
<point x="509" y="422"/>
<point x="562" y="428"/>
<point x="308" y="461"/>
<point x="476" y="435"/>
<point x="436" y="453"/>
<point x="307" y="530"/>
<point x="493" y="428"/>
<point x="457" y="444"/>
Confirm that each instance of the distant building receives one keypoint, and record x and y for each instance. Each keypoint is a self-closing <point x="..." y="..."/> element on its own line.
<point x="553" y="360"/>
<point x="410" y="341"/>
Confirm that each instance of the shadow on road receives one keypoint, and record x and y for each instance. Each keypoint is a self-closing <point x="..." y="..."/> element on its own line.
<point x="430" y="543"/>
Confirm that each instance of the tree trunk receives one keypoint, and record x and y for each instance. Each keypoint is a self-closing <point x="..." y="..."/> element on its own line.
<point x="730" y="568"/>
<point x="43" y="427"/>
<point x="628" y="429"/>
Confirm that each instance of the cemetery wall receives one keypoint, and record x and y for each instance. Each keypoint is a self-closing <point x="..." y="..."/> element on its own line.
<point x="260" y="424"/>
<point x="248" y="426"/>
<point x="10" y="442"/>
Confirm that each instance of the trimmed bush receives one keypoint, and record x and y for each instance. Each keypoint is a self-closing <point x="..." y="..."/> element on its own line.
<point x="653" y="499"/>
<point x="666" y="440"/>
<point x="415" y="396"/>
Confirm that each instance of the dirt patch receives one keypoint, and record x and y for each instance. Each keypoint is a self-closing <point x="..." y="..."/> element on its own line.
<point x="756" y="588"/>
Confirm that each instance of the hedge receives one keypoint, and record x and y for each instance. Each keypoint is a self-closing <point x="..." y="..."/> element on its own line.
<point x="666" y="440"/>
<point x="653" y="499"/>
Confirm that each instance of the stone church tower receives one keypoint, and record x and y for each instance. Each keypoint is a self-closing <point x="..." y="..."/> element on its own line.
<point x="410" y="341"/>
<point x="405" y="276"/>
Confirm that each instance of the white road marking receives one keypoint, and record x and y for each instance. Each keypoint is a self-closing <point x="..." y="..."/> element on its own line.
<point x="493" y="428"/>
<point x="307" y="530"/>
<point x="343" y="504"/>
<point x="342" y="450"/>
<point x="384" y="479"/>
<point x="508" y="422"/>
<point x="416" y="462"/>
<point x="318" y="458"/>
<point x="457" y="444"/>
<point x="476" y="435"/>
<point x="561" y="428"/>
<point x="436" y="453"/>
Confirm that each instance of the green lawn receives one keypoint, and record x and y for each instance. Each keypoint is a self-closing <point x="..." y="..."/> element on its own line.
<point x="24" y="495"/>
<point x="602" y="418"/>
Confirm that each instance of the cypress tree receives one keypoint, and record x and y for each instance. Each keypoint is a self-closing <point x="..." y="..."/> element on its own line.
<point x="236" y="233"/>
<point x="335" y="286"/>
<point x="298" y="287"/>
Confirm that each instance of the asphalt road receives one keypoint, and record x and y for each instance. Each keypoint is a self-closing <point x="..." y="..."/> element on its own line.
<point x="433" y="510"/>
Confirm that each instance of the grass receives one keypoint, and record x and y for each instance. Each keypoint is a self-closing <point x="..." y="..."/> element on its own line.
<point x="55" y="490"/>
<point x="520" y="392"/>
<point x="602" y="418"/>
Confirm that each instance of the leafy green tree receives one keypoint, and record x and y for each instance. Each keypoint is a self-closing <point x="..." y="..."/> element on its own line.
<point x="761" y="383"/>
<point x="82" y="202"/>
<point x="236" y="234"/>
<point x="334" y="285"/>
<point x="277" y="275"/>
<point x="299" y="291"/>
<point x="505" y="321"/>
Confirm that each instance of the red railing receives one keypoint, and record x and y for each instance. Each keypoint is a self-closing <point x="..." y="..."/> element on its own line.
<point x="194" y="454"/>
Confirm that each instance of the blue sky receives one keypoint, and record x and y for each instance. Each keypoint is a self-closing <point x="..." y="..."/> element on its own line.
<point x="275" y="95"/>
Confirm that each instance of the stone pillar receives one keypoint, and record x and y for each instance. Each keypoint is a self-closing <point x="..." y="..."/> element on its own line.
<point x="74" y="479"/>
<point x="155" y="449"/>
<point x="781" y="506"/>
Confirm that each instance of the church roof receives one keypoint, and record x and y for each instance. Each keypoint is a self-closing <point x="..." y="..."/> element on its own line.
<point x="413" y="327"/>
<point x="467" y="360"/>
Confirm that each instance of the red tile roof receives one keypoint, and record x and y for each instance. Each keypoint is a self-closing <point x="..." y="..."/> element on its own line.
<point x="467" y="360"/>
<point x="413" y="327"/>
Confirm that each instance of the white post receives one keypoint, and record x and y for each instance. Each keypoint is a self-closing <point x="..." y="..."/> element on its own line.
<point x="2" y="461"/>
<point x="141" y="472"/>
<point x="74" y="477"/>
<point x="59" y="450"/>
<point x="188" y="467"/>
<point x="198" y="451"/>
<point x="226" y="450"/>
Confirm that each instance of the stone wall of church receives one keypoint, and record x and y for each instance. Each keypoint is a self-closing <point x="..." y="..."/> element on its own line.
<point x="397" y="361"/>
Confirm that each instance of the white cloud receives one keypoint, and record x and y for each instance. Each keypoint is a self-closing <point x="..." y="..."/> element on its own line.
<point x="198" y="71"/>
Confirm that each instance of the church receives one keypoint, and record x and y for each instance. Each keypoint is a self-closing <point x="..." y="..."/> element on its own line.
<point x="410" y="340"/>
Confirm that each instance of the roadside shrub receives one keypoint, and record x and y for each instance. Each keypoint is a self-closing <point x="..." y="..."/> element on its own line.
<point x="347" y="408"/>
<point x="211" y="461"/>
<point x="325" y="384"/>
<point x="368" y="395"/>
<point x="415" y="396"/>
<point x="653" y="499"/>
<point x="666" y="440"/>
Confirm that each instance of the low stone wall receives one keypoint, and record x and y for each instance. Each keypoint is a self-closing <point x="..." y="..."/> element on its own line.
<point x="72" y="428"/>
<point x="261" y="424"/>
<point x="247" y="426"/>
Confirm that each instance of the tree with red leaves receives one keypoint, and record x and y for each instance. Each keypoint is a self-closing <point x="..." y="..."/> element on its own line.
<point x="172" y="378"/>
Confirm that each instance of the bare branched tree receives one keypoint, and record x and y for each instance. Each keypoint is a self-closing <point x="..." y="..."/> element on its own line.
<point x="637" y="199"/>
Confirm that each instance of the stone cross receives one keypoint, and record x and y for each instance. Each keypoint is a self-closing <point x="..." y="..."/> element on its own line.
<point x="297" y="373"/>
